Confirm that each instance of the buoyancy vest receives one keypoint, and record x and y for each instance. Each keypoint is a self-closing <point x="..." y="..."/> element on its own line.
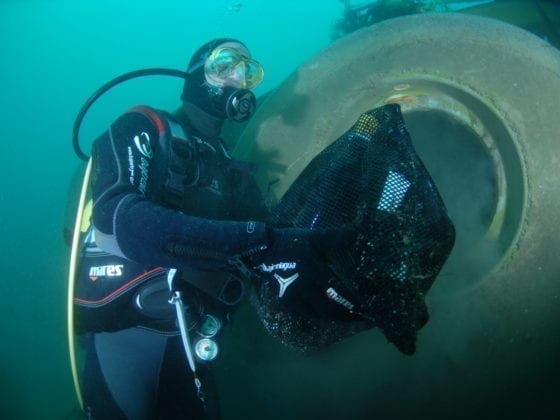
<point x="202" y="179"/>
<point x="198" y="178"/>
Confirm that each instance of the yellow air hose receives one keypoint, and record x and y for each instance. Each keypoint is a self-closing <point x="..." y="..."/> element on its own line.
<point x="71" y="281"/>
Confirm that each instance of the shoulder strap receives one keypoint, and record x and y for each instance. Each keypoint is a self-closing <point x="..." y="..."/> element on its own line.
<point x="181" y="163"/>
<point x="153" y="115"/>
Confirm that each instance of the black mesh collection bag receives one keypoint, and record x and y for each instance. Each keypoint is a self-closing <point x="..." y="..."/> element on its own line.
<point x="371" y="179"/>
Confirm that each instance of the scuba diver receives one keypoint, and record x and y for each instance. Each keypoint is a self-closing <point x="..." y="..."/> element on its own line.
<point x="178" y="227"/>
<point x="166" y="193"/>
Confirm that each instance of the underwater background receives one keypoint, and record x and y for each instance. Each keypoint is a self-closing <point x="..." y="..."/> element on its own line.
<point x="54" y="54"/>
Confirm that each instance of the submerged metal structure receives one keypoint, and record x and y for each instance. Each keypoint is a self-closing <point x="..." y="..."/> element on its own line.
<point x="480" y="100"/>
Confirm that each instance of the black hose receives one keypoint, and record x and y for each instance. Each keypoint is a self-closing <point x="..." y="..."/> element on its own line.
<point x="95" y="96"/>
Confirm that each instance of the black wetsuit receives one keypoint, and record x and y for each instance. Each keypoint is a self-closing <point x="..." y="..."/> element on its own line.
<point x="159" y="201"/>
<point x="135" y="215"/>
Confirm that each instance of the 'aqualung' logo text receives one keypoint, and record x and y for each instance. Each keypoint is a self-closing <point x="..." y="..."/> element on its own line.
<point x="142" y="143"/>
<point x="144" y="164"/>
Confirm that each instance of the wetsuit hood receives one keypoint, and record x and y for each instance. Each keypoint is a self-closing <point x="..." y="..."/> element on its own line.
<point x="214" y="102"/>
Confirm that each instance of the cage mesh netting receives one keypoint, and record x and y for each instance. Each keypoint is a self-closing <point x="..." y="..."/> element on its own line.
<point x="371" y="179"/>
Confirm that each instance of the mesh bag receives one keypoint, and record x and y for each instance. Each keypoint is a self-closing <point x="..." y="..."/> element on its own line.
<point x="371" y="179"/>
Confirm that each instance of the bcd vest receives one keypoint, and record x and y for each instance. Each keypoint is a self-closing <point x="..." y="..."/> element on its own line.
<point x="200" y="179"/>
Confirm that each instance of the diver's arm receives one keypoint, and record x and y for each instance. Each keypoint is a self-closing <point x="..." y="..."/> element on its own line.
<point x="130" y="224"/>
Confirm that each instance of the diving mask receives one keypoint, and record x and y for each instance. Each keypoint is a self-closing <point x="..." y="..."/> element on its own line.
<point x="228" y="67"/>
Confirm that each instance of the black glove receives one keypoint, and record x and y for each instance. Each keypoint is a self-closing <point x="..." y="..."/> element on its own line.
<point x="296" y="262"/>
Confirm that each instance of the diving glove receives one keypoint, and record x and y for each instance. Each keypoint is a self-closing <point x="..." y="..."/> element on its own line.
<point x="296" y="262"/>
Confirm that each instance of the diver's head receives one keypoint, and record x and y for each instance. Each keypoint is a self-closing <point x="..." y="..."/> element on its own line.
<point x="221" y="76"/>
